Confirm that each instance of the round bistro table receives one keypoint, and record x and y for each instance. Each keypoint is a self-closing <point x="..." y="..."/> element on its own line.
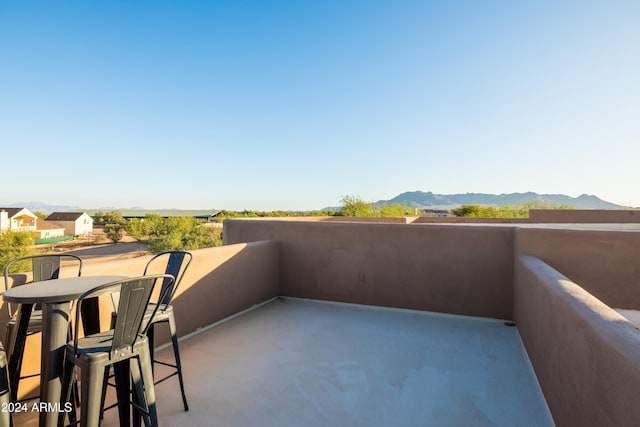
<point x="55" y="296"/>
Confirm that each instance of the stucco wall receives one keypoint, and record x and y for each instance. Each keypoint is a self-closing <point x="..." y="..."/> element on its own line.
<point x="605" y="263"/>
<point x="585" y="355"/>
<point x="467" y="220"/>
<point x="438" y="268"/>
<point x="584" y="216"/>
<point x="220" y="282"/>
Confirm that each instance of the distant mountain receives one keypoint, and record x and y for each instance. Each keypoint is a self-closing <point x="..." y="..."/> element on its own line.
<point x="414" y="199"/>
<point x="429" y="200"/>
<point x="47" y="209"/>
<point x="43" y="207"/>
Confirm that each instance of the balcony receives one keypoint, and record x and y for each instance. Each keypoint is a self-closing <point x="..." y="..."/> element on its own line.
<point x="311" y="323"/>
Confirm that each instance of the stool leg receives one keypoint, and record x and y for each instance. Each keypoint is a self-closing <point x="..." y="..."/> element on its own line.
<point x="142" y="377"/>
<point x="146" y="364"/>
<point x="176" y="353"/>
<point x="17" y="341"/>
<point x="66" y="392"/>
<point x="123" y="383"/>
<point x="5" y="415"/>
<point x="150" y="338"/>
<point x="92" y="375"/>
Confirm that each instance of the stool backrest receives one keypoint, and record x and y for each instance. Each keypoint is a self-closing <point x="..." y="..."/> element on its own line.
<point x="176" y="264"/>
<point x="135" y="294"/>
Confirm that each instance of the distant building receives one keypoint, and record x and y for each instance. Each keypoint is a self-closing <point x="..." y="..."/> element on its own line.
<point x="435" y="212"/>
<point x="74" y="223"/>
<point x="171" y="213"/>
<point x="48" y="230"/>
<point x="17" y="219"/>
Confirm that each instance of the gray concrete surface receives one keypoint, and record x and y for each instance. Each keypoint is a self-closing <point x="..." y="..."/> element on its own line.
<point x="307" y="363"/>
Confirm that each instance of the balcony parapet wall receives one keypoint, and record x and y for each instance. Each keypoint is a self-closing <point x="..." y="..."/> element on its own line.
<point x="447" y="269"/>
<point x="220" y="282"/>
<point x="585" y="355"/>
<point x="605" y="263"/>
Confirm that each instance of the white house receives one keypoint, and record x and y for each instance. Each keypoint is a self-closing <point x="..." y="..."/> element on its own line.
<point x="17" y="219"/>
<point x="74" y="223"/>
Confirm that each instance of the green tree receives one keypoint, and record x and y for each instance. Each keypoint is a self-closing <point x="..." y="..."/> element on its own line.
<point x="216" y="235"/>
<point x="180" y="233"/>
<point x="40" y="215"/>
<point x="541" y="204"/>
<point x="98" y="218"/>
<point x="480" y="211"/>
<point x="138" y="228"/>
<point x="115" y="232"/>
<point x="394" y="210"/>
<point x="506" y="211"/>
<point x="114" y="217"/>
<point x="472" y="211"/>
<point x="15" y="244"/>
<point x="355" y="206"/>
<point x="114" y="225"/>
<point x="157" y="224"/>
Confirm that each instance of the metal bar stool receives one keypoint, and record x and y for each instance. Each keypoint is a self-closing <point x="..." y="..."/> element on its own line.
<point x="126" y="343"/>
<point x="27" y="320"/>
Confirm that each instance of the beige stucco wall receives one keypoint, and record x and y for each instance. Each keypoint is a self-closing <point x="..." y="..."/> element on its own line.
<point x="548" y="216"/>
<point x="584" y="216"/>
<point x="585" y="355"/>
<point x="438" y="268"/>
<point x="467" y="220"/>
<point x="220" y="282"/>
<point x="387" y="220"/>
<point x="605" y="263"/>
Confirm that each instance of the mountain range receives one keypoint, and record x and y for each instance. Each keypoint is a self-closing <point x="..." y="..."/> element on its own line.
<point x="45" y="208"/>
<point x="420" y="200"/>
<point x="429" y="200"/>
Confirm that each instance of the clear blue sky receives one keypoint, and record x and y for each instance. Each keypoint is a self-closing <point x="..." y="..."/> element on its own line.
<point x="293" y="104"/>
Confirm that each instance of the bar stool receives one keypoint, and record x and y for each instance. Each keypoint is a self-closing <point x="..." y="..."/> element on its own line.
<point x="27" y="320"/>
<point x="176" y="264"/>
<point x="126" y="343"/>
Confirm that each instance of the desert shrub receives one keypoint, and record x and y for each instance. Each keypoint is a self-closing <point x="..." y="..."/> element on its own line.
<point x="138" y="228"/>
<point x="115" y="232"/>
<point x="15" y="244"/>
<point x="179" y="233"/>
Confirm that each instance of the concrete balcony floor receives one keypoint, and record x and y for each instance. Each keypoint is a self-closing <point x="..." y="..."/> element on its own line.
<point x="295" y="362"/>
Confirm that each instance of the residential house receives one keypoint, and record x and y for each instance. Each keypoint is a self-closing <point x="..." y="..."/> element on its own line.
<point x="17" y="219"/>
<point x="74" y="223"/>
<point x="48" y="230"/>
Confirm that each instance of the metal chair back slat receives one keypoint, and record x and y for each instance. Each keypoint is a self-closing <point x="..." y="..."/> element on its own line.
<point x="177" y="263"/>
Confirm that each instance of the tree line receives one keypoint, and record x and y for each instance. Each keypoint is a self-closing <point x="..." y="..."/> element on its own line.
<point x="505" y="211"/>
<point x="161" y="234"/>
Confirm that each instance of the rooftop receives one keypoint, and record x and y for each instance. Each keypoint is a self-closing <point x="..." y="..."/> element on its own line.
<point x="295" y="362"/>
<point x="341" y="323"/>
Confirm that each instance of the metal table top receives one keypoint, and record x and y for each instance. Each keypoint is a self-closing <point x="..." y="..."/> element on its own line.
<point x="56" y="290"/>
